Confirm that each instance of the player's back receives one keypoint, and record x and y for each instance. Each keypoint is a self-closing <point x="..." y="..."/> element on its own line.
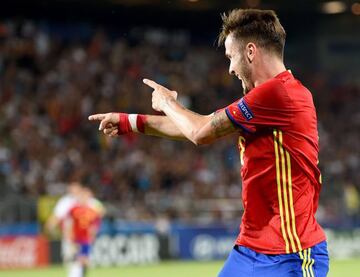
<point x="300" y="153"/>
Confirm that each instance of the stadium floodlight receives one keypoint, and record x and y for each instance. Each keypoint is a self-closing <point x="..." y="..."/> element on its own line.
<point x="333" y="7"/>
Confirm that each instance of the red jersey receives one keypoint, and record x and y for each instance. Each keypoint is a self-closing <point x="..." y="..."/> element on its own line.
<point x="279" y="155"/>
<point x="85" y="222"/>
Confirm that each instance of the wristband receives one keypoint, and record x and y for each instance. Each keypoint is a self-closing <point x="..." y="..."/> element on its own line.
<point x="129" y="123"/>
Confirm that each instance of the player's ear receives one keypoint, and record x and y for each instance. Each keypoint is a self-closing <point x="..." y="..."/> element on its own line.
<point x="250" y="51"/>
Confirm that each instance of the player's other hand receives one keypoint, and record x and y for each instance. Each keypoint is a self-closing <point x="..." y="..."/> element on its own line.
<point x="108" y="122"/>
<point x="160" y="95"/>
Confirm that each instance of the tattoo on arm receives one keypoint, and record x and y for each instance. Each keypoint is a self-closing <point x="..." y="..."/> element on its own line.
<point x="221" y="124"/>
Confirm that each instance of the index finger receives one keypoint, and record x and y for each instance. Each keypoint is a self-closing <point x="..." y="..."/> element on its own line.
<point x="151" y="84"/>
<point x="99" y="116"/>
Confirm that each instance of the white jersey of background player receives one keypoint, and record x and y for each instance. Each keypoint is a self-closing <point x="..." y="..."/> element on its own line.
<point x="60" y="217"/>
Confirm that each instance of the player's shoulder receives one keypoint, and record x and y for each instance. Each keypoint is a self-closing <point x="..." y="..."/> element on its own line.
<point x="278" y="83"/>
<point x="269" y="93"/>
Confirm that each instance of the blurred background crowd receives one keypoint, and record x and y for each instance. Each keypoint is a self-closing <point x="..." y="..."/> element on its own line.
<point x="52" y="79"/>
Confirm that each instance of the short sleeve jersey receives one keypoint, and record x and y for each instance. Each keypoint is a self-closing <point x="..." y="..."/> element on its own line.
<point x="279" y="154"/>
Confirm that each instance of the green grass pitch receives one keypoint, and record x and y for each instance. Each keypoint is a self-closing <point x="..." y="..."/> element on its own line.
<point x="340" y="268"/>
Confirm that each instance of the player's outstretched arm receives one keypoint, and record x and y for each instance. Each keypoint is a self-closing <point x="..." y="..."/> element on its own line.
<point x="200" y="129"/>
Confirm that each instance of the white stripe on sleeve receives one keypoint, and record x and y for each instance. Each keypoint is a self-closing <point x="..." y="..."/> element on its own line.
<point x="132" y="120"/>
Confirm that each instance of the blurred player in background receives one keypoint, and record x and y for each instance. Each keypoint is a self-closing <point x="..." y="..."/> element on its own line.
<point x="60" y="218"/>
<point x="75" y="242"/>
<point x="85" y="218"/>
<point x="278" y="142"/>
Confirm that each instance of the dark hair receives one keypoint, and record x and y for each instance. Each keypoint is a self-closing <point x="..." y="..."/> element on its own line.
<point x="260" y="26"/>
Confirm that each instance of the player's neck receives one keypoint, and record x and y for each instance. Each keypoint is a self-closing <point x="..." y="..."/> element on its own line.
<point x="269" y="68"/>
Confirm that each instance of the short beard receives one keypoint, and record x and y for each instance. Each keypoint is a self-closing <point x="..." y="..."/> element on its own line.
<point x="246" y="75"/>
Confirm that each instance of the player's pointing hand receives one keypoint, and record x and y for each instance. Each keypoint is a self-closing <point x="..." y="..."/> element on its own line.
<point x="108" y="122"/>
<point x="161" y="95"/>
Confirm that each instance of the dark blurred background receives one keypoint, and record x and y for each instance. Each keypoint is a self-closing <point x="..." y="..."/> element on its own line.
<point x="63" y="60"/>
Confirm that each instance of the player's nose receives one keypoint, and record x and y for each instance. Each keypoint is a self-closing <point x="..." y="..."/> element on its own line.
<point x="231" y="69"/>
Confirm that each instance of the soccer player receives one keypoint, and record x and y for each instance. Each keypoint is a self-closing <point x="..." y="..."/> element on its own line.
<point x="85" y="222"/>
<point x="278" y="141"/>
